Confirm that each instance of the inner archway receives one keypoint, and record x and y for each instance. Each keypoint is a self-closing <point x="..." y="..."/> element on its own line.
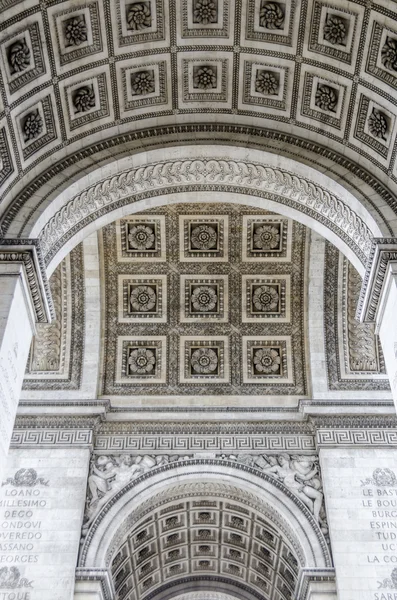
<point x="204" y="526"/>
<point x="200" y="174"/>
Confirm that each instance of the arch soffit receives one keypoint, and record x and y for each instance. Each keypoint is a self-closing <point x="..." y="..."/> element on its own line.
<point x="262" y="492"/>
<point x="165" y="176"/>
<point x="34" y="191"/>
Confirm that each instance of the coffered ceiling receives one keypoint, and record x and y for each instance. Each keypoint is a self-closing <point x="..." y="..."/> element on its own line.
<point x="204" y="300"/>
<point x="79" y="78"/>
<point x="216" y="542"/>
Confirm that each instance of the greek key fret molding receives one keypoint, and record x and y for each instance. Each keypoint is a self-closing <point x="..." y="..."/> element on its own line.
<point x="203" y="443"/>
<point x="217" y="175"/>
<point x="28" y="253"/>
<point x="86" y="575"/>
<point x="355" y="431"/>
<point x="383" y="251"/>
<point x="205" y="437"/>
<point x="54" y="431"/>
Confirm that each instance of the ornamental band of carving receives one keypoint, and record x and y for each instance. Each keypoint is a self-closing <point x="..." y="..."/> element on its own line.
<point x="231" y="175"/>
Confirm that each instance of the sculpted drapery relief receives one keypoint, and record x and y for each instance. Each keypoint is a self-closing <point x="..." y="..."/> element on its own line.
<point x="299" y="473"/>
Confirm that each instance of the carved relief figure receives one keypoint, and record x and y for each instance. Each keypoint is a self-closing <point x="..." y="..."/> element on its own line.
<point x="299" y="473"/>
<point x="109" y="474"/>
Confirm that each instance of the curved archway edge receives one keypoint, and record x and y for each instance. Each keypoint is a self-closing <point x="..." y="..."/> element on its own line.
<point x="193" y="174"/>
<point x="285" y="508"/>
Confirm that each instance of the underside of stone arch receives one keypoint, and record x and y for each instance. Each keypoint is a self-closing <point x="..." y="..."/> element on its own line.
<point x="203" y="527"/>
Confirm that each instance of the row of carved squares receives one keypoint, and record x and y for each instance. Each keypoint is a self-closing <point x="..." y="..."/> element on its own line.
<point x="203" y="359"/>
<point x="143" y="238"/>
<point x="203" y="299"/>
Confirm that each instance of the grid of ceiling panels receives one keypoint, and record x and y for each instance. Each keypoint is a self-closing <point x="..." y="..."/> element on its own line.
<point x="204" y="300"/>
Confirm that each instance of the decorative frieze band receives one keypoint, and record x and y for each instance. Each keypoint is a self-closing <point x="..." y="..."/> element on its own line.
<point x="219" y="174"/>
<point x="356" y="437"/>
<point x="28" y="253"/>
<point x="53" y="432"/>
<point x="204" y="443"/>
<point x="355" y="431"/>
<point x="383" y="251"/>
<point x="319" y="581"/>
<point x="46" y="437"/>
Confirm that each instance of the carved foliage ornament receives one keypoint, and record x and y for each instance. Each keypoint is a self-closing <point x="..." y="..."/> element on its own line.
<point x="321" y="204"/>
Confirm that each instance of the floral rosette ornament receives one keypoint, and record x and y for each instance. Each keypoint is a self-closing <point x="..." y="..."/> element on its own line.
<point x="203" y="237"/>
<point x="204" y="361"/>
<point x="265" y="298"/>
<point x="84" y="99"/>
<point x="19" y="56"/>
<point x="389" y="54"/>
<point x="266" y="237"/>
<point x="139" y="16"/>
<point x="142" y="83"/>
<point x="205" y="12"/>
<point x="271" y="16"/>
<point x="143" y="298"/>
<point x="141" y="237"/>
<point x="267" y="360"/>
<point x="76" y="31"/>
<point x="266" y="83"/>
<point x="335" y="30"/>
<point x="142" y="361"/>
<point x="205" y="78"/>
<point x="204" y="299"/>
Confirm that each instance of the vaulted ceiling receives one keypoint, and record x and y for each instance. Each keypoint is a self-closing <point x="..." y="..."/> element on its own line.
<point x="83" y="82"/>
<point x="206" y="300"/>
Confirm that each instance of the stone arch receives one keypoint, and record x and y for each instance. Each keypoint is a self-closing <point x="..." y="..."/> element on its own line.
<point x="257" y="489"/>
<point x="193" y="173"/>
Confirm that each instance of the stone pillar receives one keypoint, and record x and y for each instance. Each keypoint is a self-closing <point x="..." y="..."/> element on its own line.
<point x="42" y="501"/>
<point x="359" y="474"/>
<point x="378" y="302"/>
<point x="93" y="584"/>
<point x="24" y="300"/>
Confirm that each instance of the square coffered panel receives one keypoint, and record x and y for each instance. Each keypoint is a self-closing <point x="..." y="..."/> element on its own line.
<point x="189" y="293"/>
<point x="265" y="298"/>
<point x="203" y="239"/>
<point x="204" y="299"/>
<point x="142" y="298"/>
<point x="204" y="359"/>
<point x="141" y="239"/>
<point x="141" y="359"/>
<point x="266" y="239"/>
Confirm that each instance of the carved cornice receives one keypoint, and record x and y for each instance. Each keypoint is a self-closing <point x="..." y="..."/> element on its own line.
<point x="213" y="174"/>
<point x="383" y="251"/>
<point x="28" y="253"/>
<point x="97" y="575"/>
<point x="323" y="577"/>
